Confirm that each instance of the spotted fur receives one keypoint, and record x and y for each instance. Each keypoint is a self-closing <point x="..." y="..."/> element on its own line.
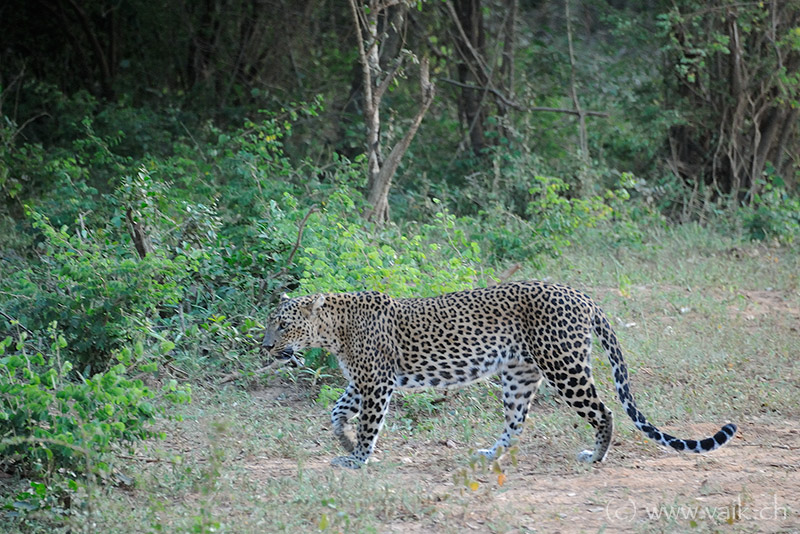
<point x="523" y="331"/>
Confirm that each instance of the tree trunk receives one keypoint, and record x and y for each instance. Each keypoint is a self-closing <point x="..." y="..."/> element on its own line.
<point x="737" y="117"/>
<point x="376" y="80"/>
<point x="471" y="47"/>
<point x="379" y="192"/>
<point x="507" y="64"/>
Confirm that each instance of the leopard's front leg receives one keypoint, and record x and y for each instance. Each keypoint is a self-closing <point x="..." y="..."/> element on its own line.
<point x="347" y="407"/>
<point x="374" y="404"/>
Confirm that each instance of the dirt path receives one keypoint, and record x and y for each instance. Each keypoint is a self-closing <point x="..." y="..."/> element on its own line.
<point x="752" y="485"/>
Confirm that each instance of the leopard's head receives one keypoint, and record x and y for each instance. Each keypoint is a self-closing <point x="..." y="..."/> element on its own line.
<point x="293" y="326"/>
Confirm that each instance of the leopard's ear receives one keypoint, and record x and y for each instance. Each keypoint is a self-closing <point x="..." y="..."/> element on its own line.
<point x="284" y="297"/>
<point x="311" y="308"/>
<point x="317" y="304"/>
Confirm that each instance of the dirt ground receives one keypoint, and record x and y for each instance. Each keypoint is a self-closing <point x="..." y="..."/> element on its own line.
<point x="751" y="485"/>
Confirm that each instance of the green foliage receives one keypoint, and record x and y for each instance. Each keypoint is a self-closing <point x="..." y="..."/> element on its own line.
<point x="53" y="418"/>
<point x="343" y="254"/>
<point x="774" y="213"/>
<point x="155" y="223"/>
<point x="418" y="409"/>
<point x="22" y="159"/>
<point x="555" y="217"/>
<point x="328" y="395"/>
<point x="94" y="285"/>
<point x="728" y="129"/>
<point x="543" y="214"/>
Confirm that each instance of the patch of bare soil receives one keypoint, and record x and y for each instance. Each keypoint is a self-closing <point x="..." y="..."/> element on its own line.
<point x="751" y="485"/>
<point x="754" y="482"/>
<point x="759" y="304"/>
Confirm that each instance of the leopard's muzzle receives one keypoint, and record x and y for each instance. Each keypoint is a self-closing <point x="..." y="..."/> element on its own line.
<point x="285" y="354"/>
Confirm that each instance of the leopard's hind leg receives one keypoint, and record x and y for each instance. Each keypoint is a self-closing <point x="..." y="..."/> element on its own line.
<point x="569" y="370"/>
<point x="520" y="382"/>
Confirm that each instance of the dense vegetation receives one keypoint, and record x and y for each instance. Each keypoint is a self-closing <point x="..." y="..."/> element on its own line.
<point x="167" y="169"/>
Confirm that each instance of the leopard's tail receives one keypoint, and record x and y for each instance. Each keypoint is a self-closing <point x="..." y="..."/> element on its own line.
<point x="609" y="341"/>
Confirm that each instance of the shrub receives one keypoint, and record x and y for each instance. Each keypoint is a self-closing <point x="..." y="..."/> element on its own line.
<point x="343" y="253"/>
<point x="52" y="417"/>
<point x="92" y="283"/>
<point x="551" y="217"/>
<point x="774" y="213"/>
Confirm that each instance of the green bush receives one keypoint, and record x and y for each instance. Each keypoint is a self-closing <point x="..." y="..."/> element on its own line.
<point x="93" y="284"/>
<point x="343" y="253"/>
<point x="774" y="213"/>
<point x="550" y="218"/>
<point x="52" y="417"/>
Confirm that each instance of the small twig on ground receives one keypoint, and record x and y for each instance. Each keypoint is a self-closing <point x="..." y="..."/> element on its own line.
<point x="441" y="399"/>
<point x="274" y="365"/>
<point x="769" y="446"/>
<point x="142" y="458"/>
<point x="176" y="370"/>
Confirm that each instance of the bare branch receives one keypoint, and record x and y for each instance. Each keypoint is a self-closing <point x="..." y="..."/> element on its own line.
<point x="262" y="286"/>
<point x="389" y="166"/>
<point x="569" y="111"/>
<point x="573" y="91"/>
<point x="492" y="90"/>
<point x="362" y="55"/>
<point x="302" y="227"/>
<point x="504" y="276"/>
<point x="387" y="80"/>
<point x="14" y="321"/>
<point x="521" y="107"/>
<point x="24" y="124"/>
<point x="138" y="232"/>
<point x="507" y="64"/>
<point x="478" y="59"/>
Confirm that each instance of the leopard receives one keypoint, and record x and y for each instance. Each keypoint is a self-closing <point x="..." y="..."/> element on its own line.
<point x="524" y="331"/>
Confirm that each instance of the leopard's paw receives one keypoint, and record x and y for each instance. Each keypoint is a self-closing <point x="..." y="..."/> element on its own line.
<point x="347" y="462"/>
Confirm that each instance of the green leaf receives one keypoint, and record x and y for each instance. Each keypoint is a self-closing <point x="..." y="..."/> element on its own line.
<point x="39" y="488"/>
